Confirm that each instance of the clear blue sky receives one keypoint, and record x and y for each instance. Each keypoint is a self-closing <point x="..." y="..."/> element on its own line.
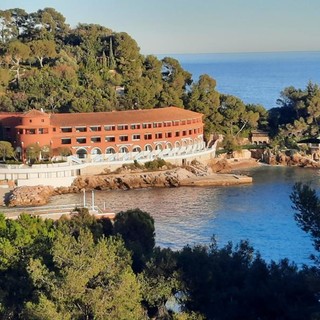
<point x="197" y="26"/>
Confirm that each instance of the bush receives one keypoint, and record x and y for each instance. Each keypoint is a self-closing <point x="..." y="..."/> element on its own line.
<point x="155" y="164"/>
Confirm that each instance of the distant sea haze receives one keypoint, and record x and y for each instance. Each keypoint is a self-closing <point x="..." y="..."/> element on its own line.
<point x="254" y="77"/>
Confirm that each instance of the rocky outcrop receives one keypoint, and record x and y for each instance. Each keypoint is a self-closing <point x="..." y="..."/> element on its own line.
<point x="196" y="175"/>
<point x="30" y="196"/>
<point x="288" y="159"/>
<point x="125" y="181"/>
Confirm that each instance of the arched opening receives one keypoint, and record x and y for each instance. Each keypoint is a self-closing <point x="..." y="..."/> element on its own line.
<point x="82" y="153"/>
<point x="123" y="150"/>
<point x="159" y="147"/>
<point x="169" y="146"/>
<point x="110" y="150"/>
<point x="96" y="151"/>
<point x="148" y="147"/>
<point x="136" y="149"/>
<point x="177" y="144"/>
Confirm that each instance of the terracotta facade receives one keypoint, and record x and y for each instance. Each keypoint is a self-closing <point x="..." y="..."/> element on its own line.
<point x="103" y="133"/>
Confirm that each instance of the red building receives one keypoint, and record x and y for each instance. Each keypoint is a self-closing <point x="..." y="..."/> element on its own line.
<point x="105" y="134"/>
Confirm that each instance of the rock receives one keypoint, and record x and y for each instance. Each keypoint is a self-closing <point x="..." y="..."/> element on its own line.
<point x="220" y="166"/>
<point x="30" y="196"/>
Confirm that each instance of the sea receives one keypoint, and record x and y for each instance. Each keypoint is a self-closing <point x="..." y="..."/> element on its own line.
<point x="261" y="212"/>
<point x="255" y="78"/>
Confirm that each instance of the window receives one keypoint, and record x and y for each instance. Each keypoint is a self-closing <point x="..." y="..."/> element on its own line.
<point x="176" y="123"/>
<point x="177" y="134"/>
<point x="188" y="121"/>
<point x="54" y="129"/>
<point x="123" y="127"/>
<point x="66" y="141"/>
<point x="81" y="129"/>
<point x="66" y="129"/>
<point x="168" y="134"/>
<point x="123" y="138"/>
<point x="184" y="133"/>
<point x="157" y="124"/>
<point x="147" y="125"/>
<point x="148" y="136"/>
<point x="183" y="122"/>
<point x="135" y="126"/>
<point x="95" y="128"/>
<point x="81" y="140"/>
<point x="110" y="139"/>
<point x="158" y="135"/>
<point x="30" y="131"/>
<point x="136" y="137"/>
<point x="43" y="130"/>
<point x="20" y="131"/>
<point x="109" y="128"/>
<point x="167" y="124"/>
<point x="190" y="132"/>
<point x="95" y="139"/>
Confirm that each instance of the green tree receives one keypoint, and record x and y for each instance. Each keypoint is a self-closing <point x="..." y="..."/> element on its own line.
<point x="33" y="152"/>
<point x="87" y="280"/>
<point x="17" y="52"/>
<point x="160" y="282"/>
<point x="6" y="150"/>
<point x="20" y="240"/>
<point x="307" y="211"/>
<point x="42" y="49"/>
<point x="136" y="227"/>
<point x="234" y="283"/>
<point x="204" y="98"/>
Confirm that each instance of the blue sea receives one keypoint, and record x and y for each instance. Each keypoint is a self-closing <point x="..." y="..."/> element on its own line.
<point x="256" y="78"/>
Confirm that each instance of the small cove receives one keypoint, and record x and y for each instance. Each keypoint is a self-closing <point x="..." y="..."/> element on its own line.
<point x="260" y="212"/>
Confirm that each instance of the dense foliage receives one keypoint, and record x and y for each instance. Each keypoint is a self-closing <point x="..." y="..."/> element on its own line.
<point x="46" y="64"/>
<point x="88" y="268"/>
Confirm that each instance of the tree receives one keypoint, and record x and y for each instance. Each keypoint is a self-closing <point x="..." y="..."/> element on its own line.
<point x="16" y="53"/>
<point x="33" y="152"/>
<point x="160" y="282"/>
<point x="20" y="240"/>
<point x="204" y="98"/>
<point x="6" y="150"/>
<point x="42" y="49"/>
<point x="234" y="283"/>
<point x="87" y="280"/>
<point x="307" y="211"/>
<point x="175" y="81"/>
<point x="236" y="117"/>
<point x="136" y="227"/>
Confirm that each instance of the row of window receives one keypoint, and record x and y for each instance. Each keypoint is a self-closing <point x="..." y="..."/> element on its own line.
<point x="33" y="131"/>
<point x="135" y="137"/>
<point x="134" y="126"/>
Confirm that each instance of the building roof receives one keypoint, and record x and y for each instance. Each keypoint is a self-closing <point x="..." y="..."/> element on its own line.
<point x="33" y="113"/>
<point x="122" y="117"/>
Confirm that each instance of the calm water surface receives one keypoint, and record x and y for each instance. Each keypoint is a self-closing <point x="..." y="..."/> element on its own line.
<point x="255" y="77"/>
<point x="260" y="212"/>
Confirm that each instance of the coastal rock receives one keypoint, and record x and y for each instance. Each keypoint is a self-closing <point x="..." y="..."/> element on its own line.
<point x="168" y="178"/>
<point x="30" y="196"/>
<point x="220" y="166"/>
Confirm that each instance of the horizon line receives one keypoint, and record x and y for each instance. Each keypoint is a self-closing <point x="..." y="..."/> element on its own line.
<point x="234" y="52"/>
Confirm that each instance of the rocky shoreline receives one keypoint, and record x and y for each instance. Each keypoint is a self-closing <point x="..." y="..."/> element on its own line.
<point x="193" y="176"/>
<point x="217" y="173"/>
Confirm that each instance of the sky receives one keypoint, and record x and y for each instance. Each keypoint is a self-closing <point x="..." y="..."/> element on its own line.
<point x="197" y="26"/>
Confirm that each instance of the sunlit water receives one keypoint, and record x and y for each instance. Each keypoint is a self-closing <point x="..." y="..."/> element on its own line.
<point x="255" y="77"/>
<point x="260" y="212"/>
